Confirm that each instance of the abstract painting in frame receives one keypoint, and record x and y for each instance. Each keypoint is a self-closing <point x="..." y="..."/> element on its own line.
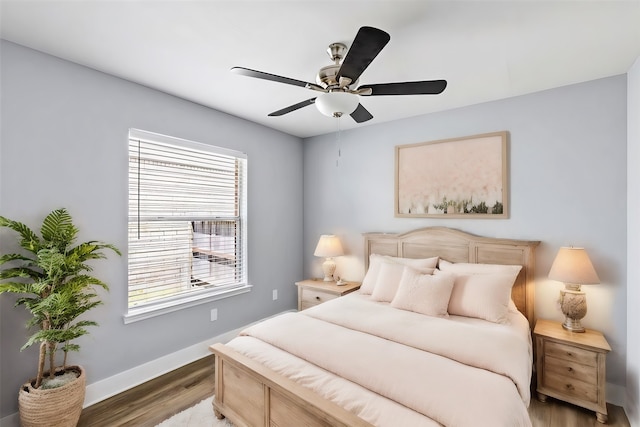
<point x="453" y="178"/>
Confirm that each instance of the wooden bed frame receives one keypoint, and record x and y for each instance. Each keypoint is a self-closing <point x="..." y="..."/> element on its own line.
<point x="249" y="394"/>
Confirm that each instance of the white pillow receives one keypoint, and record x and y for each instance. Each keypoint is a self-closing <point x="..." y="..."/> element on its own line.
<point x="424" y="293"/>
<point x="389" y="280"/>
<point x="415" y="262"/>
<point x="484" y="296"/>
<point x="371" y="278"/>
<point x="369" y="281"/>
<point x="470" y="268"/>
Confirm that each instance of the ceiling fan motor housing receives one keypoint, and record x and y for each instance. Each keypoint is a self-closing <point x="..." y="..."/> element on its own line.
<point x="327" y="76"/>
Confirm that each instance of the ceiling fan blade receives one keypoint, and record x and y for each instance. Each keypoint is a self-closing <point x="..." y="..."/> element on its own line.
<point x="293" y="107"/>
<point x="361" y="114"/>
<point x="273" y="77"/>
<point x="430" y="87"/>
<point x="366" y="46"/>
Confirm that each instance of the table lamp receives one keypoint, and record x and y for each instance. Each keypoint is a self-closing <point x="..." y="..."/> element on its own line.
<point x="573" y="267"/>
<point x="328" y="247"/>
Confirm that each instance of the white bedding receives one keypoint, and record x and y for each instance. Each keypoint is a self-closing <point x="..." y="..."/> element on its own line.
<point x="393" y="367"/>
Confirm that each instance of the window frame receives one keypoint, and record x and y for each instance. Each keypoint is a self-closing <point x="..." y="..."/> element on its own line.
<point x="202" y="295"/>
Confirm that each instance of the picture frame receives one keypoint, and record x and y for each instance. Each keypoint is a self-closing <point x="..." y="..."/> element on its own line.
<point x="463" y="177"/>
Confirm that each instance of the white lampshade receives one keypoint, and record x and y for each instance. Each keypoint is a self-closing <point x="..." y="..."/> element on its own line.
<point x="572" y="265"/>
<point x="328" y="246"/>
<point x="335" y="104"/>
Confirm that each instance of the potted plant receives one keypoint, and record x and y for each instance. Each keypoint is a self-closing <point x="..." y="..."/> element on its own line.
<point x="54" y="285"/>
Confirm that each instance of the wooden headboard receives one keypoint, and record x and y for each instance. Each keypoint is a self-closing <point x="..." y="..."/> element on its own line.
<point x="458" y="246"/>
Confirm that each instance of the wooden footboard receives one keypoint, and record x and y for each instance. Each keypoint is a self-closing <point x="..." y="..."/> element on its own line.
<point x="251" y="395"/>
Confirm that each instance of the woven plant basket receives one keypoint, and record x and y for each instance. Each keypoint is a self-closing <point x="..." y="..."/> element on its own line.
<point x="59" y="407"/>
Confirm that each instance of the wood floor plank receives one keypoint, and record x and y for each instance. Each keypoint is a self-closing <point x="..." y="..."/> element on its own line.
<point x="555" y="413"/>
<point x="152" y="402"/>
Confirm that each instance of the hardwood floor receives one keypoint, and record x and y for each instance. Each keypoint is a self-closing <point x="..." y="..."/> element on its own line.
<point x="555" y="413"/>
<point x="150" y="403"/>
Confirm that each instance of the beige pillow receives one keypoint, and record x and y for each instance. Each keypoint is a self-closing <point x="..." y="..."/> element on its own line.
<point x="375" y="260"/>
<point x="484" y="296"/>
<point x="424" y="293"/>
<point x="389" y="280"/>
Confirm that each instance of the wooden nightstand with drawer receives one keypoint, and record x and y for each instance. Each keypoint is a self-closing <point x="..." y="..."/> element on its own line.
<point x="571" y="366"/>
<point x="313" y="292"/>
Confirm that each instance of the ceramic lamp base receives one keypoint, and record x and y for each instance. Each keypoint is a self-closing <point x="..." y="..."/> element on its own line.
<point x="328" y="268"/>
<point x="573" y="303"/>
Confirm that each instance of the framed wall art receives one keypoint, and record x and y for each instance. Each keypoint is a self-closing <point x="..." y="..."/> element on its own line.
<point x="453" y="178"/>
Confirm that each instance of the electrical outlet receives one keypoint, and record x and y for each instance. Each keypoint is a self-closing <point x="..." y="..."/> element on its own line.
<point x="214" y="314"/>
<point x="275" y="294"/>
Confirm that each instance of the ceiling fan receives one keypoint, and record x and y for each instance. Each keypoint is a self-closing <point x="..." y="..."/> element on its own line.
<point x="334" y="82"/>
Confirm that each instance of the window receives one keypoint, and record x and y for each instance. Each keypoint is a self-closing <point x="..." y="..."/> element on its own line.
<point x="187" y="224"/>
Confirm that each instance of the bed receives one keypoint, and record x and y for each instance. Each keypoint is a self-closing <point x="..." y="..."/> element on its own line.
<point x="379" y="356"/>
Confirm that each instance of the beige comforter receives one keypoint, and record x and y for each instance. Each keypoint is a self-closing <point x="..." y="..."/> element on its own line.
<point x="394" y="367"/>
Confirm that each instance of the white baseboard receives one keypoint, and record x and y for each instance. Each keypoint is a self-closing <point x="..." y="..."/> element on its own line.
<point x="12" y="420"/>
<point x="616" y="394"/>
<point x="632" y="410"/>
<point x="108" y="387"/>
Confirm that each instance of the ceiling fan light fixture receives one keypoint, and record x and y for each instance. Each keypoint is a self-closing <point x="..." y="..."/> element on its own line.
<point x="336" y="104"/>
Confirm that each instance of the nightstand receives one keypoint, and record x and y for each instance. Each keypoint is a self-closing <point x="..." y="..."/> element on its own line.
<point x="313" y="292"/>
<point x="571" y="366"/>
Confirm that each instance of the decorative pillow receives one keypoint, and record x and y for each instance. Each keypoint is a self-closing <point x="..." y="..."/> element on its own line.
<point x="371" y="278"/>
<point x="484" y="296"/>
<point x="424" y="293"/>
<point x="389" y="279"/>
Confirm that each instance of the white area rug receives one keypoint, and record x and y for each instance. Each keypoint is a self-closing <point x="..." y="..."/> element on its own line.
<point x="199" y="415"/>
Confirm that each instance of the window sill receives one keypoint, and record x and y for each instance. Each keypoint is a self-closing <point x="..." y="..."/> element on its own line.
<point x="147" y="312"/>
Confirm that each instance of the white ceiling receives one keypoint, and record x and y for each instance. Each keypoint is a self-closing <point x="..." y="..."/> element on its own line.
<point x="486" y="50"/>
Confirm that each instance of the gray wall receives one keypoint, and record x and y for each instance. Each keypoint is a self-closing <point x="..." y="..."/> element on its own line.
<point x="633" y="246"/>
<point x="64" y="144"/>
<point x="568" y="186"/>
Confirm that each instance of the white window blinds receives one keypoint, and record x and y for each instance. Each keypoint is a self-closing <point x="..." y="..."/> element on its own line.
<point x="187" y="216"/>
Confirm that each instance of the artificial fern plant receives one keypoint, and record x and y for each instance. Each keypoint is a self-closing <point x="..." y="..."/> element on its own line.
<point x="53" y="284"/>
